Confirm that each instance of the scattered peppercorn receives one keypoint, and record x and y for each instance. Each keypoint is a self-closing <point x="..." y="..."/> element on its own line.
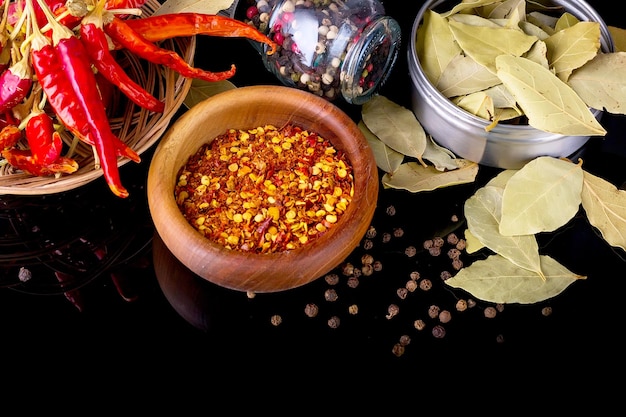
<point x="250" y="294"/>
<point x="415" y="275"/>
<point x="402" y="293"/>
<point x="398" y="349"/>
<point x="392" y="311"/>
<point x="411" y="285"/>
<point x="368" y="244"/>
<point x="353" y="282"/>
<point x="490" y="312"/>
<point x="405" y="340"/>
<point x="433" y="311"/>
<point x="439" y="331"/>
<point x="419" y="324"/>
<point x="546" y="311"/>
<point x="426" y="284"/>
<point x="398" y="232"/>
<point x="391" y="211"/>
<point x="353" y="309"/>
<point x="334" y="322"/>
<point x="311" y="310"/>
<point x="461" y="305"/>
<point x="378" y="266"/>
<point x="330" y="295"/>
<point x="367" y="270"/>
<point x="370" y="233"/>
<point x="331" y="279"/>
<point x="386" y="237"/>
<point x="276" y="320"/>
<point x="445" y="316"/>
<point x="410" y="251"/>
<point x="445" y="275"/>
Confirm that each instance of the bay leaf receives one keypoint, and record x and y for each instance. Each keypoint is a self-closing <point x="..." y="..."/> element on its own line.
<point x="387" y="159"/>
<point x="566" y="20"/>
<point x="415" y="177"/>
<point x="472" y="243"/>
<point x="484" y="44"/>
<point x="435" y="46"/>
<point x="467" y="5"/>
<point x="465" y="76"/>
<point x="533" y="30"/>
<point x="600" y="82"/>
<point x="474" y="20"/>
<point x="541" y="196"/>
<point x="479" y="104"/>
<point x="539" y="54"/>
<point x="201" y="90"/>
<point x="495" y="279"/>
<point x="501" y="179"/>
<point x="514" y="10"/>
<point x="572" y="47"/>
<point x="441" y="158"/>
<point x="619" y="38"/>
<point x="502" y="98"/>
<point x="542" y="20"/>
<point x="605" y="206"/>
<point x="549" y="103"/>
<point x="483" y="212"/>
<point x="395" y="125"/>
<point x="193" y="6"/>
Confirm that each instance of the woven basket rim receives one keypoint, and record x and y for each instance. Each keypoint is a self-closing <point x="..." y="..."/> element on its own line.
<point x="139" y="128"/>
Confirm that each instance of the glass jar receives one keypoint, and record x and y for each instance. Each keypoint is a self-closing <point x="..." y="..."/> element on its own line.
<point x="331" y="48"/>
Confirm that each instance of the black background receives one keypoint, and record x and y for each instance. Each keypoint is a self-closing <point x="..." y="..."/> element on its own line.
<point x="198" y="337"/>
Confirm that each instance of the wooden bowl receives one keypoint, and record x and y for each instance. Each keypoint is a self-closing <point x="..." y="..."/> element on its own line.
<point x="246" y="108"/>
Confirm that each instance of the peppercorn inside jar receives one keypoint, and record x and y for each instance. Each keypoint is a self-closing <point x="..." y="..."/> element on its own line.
<point x="331" y="48"/>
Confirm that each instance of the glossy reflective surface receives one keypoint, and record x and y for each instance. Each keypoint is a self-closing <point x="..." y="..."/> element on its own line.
<point x="140" y="317"/>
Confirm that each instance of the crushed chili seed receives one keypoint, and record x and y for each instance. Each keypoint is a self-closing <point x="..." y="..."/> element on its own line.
<point x="265" y="189"/>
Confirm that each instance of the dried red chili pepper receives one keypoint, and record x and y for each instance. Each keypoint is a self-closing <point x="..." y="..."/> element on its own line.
<point x="9" y="136"/>
<point x="97" y="47"/>
<point x="23" y="159"/>
<point x="69" y="55"/>
<point x="15" y="82"/>
<point x="125" y="36"/>
<point x="61" y="96"/>
<point x="160" y="27"/>
<point x="44" y="141"/>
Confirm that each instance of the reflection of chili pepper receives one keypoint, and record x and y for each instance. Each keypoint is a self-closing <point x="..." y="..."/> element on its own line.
<point x="44" y="141"/>
<point x="97" y="47"/>
<point x="124" y="35"/>
<point x="15" y="83"/>
<point x="160" y="27"/>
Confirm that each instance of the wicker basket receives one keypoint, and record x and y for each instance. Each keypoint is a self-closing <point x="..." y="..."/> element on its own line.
<point x="137" y="127"/>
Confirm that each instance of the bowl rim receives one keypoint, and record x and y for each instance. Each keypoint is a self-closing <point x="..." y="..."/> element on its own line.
<point x="365" y="173"/>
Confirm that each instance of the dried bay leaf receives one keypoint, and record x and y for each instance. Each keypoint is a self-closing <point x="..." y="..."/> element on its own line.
<point x="496" y="279"/>
<point x="414" y="177"/>
<point x="435" y="45"/>
<point x="619" y="38"/>
<point x="468" y="5"/>
<point x="395" y="125"/>
<point x="387" y="159"/>
<point x="441" y="158"/>
<point x="513" y="10"/>
<point x="484" y="44"/>
<point x="479" y="104"/>
<point x="549" y="103"/>
<point x="542" y="20"/>
<point x="193" y="6"/>
<point x="600" y="82"/>
<point x="483" y="212"/>
<point x="541" y="196"/>
<point x="572" y="47"/>
<point x="605" y="206"/>
<point x="465" y="76"/>
<point x="472" y="243"/>
<point x="539" y="54"/>
<point x="201" y="90"/>
<point x="566" y="20"/>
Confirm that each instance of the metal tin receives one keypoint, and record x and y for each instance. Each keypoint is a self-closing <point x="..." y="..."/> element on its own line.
<point x="505" y="146"/>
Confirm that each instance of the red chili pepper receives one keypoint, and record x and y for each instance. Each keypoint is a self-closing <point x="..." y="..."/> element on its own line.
<point x="71" y="57"/>
<point x="15" y="83"/>
<point x="9" y="136"/>
<point x="23" y="159"/>
<point x="76" y="64"/>
<point x="62" y="98"/>
<point x="160" y="27"/>
<point x="44" y="141"/>
<point x="94" y="40"/>
<point x="124" y="35"/>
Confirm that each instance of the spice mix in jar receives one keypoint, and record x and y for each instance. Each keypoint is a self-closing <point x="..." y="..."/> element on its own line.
<point x="331" y="48"/>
